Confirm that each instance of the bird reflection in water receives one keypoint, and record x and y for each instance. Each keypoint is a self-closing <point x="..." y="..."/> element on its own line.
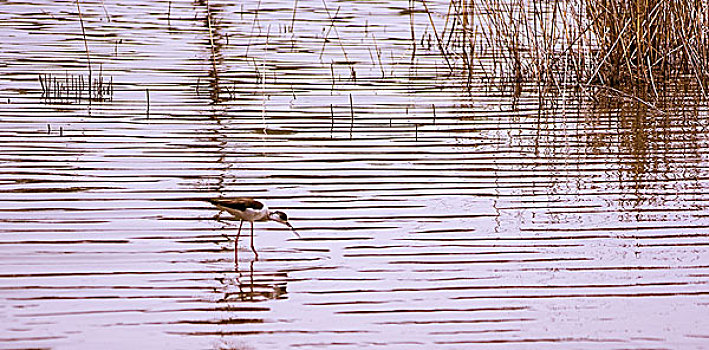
<point x="246" y="286"/>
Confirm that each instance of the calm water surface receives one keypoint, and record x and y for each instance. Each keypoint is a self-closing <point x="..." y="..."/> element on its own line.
<point x="431" y="217"/>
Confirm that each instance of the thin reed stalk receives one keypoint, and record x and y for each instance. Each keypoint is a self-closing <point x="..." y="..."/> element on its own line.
<point x="86" y="43"/>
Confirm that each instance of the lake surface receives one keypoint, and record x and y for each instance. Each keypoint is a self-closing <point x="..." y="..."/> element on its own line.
<point x="432" y="217"/>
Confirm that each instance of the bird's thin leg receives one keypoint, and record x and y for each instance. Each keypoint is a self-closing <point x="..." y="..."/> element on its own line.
<point x="226" y="222"/>
<point x="252" y="240"/>
<point x="236" y="241"/>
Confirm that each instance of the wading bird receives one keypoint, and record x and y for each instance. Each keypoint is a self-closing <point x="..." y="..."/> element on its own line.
<point x="249" y="209"/>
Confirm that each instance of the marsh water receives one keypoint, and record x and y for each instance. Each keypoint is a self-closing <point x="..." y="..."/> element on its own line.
<point x="436" y="211"/>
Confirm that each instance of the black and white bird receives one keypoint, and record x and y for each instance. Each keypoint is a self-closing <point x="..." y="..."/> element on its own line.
<point x="249" y="209"/>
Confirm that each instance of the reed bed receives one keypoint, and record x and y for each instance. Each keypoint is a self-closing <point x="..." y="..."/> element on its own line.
<point x="71" y="88"/>
<point x="642" y="40"/>
<point x="626" y="47"/>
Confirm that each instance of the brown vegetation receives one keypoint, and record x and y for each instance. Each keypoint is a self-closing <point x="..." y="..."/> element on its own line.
<point x="626" y="46"/>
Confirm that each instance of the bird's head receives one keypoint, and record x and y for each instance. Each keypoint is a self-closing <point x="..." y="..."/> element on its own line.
<point x="279" y="216"/>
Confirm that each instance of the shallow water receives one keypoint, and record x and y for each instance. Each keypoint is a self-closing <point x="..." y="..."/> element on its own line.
<point x="431" y="217"/>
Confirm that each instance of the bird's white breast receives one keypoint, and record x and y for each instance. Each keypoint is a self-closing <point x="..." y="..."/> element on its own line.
<point x="249" y="214"/>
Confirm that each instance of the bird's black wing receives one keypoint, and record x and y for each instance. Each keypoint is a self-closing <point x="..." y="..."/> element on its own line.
<point x="240" y="204"/>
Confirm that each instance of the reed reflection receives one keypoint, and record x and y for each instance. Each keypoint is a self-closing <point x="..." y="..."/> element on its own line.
<point x="637" y="156"/>
<point x="216" y="44"/>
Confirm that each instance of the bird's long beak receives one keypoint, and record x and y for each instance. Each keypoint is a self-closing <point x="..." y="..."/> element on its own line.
<point x="292" y="228"/>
